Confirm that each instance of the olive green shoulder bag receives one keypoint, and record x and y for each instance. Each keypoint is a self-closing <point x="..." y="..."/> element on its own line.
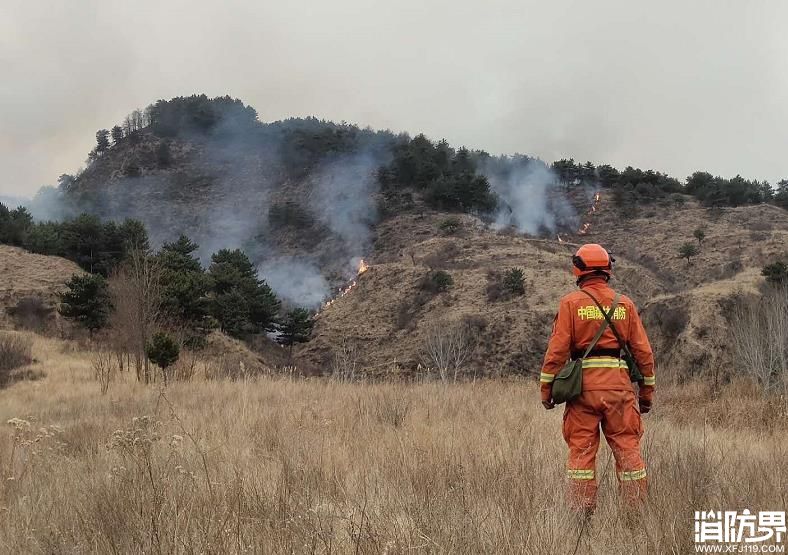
<point x="568" y="383"/>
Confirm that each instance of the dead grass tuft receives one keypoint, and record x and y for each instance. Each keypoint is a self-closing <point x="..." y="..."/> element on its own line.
<point x="15" y="352"/>
<point x="272" y="465"/>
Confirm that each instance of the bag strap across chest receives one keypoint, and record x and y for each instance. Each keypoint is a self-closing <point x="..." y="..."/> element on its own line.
<point x="608" y="321"/>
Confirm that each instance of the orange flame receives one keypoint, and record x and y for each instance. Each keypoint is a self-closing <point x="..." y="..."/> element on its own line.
<point x="592" y="210"/>
<point x="362" y="267"/>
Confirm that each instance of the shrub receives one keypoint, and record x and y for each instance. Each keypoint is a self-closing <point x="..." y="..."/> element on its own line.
<point x="776" y="273"/>
<point x="731" y="269"/>
<point x="688" y="250"/>
<point x="475" y="322"/>
<point x="678" y="199"/>
<point x="672" y="321"/>
<point x="31" y="313"/>
<point x="505" y="285"/>
<point x="449" y="226"/>
<point x="514" y="281"/>
<point x="442" y="281"/>
<point x="15" y="351"/>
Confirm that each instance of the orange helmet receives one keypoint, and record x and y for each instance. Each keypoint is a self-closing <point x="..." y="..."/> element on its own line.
<point x="592" y="259"/>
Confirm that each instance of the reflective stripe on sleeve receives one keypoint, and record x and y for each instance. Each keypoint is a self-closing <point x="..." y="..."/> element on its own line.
<point x="649" y="380"/>
<point x="580" y="474"/>
<point x="544" y="377"/>
<point x="632" y="475"/>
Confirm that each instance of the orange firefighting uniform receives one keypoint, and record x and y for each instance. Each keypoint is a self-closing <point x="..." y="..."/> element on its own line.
<point x="608" y="397"/>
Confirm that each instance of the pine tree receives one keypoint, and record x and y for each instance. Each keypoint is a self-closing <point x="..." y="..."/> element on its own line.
<point x="514" y="281"/>
<point x="242" y="302"/>
<point x="86" y="301"/>
<point x="117" y="134"/>
<point x="102" y="141"/>
<point x="295" y="328"/>
<point x="185" y="285"/>
<point x="162" y="351"/>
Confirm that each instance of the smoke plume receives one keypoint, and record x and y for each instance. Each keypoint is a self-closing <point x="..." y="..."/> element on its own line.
<point x="530" y="196"/>
<point x="295" y="280"/>
<point x="344" y="200"/>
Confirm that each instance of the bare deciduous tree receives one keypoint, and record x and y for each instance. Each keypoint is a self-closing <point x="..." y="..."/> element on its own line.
<point x="136" y="296"/>
<point x="760" y="339"/>
<point x="103" y="362"/>
<point x="447" y="346"/>
<point x="345" y="363"/>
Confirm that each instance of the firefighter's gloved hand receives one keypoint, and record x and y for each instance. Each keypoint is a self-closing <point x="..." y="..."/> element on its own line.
<point x="548" y="404"/>
<point x="645" y="406"/>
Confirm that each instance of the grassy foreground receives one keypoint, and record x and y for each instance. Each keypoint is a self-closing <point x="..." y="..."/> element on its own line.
<point x="281" y="466"/>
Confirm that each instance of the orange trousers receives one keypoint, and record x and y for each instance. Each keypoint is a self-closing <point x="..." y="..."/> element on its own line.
<point x="617" y="413"/>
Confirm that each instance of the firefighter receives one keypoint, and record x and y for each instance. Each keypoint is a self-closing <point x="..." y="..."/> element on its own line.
<point x="608" y="398"/>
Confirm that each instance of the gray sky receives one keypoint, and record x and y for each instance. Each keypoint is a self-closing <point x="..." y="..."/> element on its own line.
<point x="670" y="85"/>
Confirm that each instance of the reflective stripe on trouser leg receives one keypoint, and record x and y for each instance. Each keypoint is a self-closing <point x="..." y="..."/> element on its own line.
<point x="629" y="475"/>
<point x="580" y="474"/>
<point x="581" y="433"/>
<point x="623" y="428"/>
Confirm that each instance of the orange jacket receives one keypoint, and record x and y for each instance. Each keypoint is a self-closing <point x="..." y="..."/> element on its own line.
<point x="575" y="326"/>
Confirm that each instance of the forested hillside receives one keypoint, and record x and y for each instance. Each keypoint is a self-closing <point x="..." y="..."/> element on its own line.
<point x="255" y="226"/>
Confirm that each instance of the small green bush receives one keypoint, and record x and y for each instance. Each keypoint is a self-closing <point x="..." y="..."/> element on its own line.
<point x="441" y="281"/>
<point x="449" y="226"/>
<point x="688" y="250"/>
<point x="776" y="273"/>
<point x="505" y="285"/>
<point x="514" y="281"/>
<point x="163" y="350"/>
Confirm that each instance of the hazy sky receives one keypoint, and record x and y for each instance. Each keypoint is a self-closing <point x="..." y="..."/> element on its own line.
<point x="670" y="85"/>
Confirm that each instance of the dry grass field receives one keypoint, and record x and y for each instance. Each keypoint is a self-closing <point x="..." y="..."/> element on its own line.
<point x="274" y="465"/>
